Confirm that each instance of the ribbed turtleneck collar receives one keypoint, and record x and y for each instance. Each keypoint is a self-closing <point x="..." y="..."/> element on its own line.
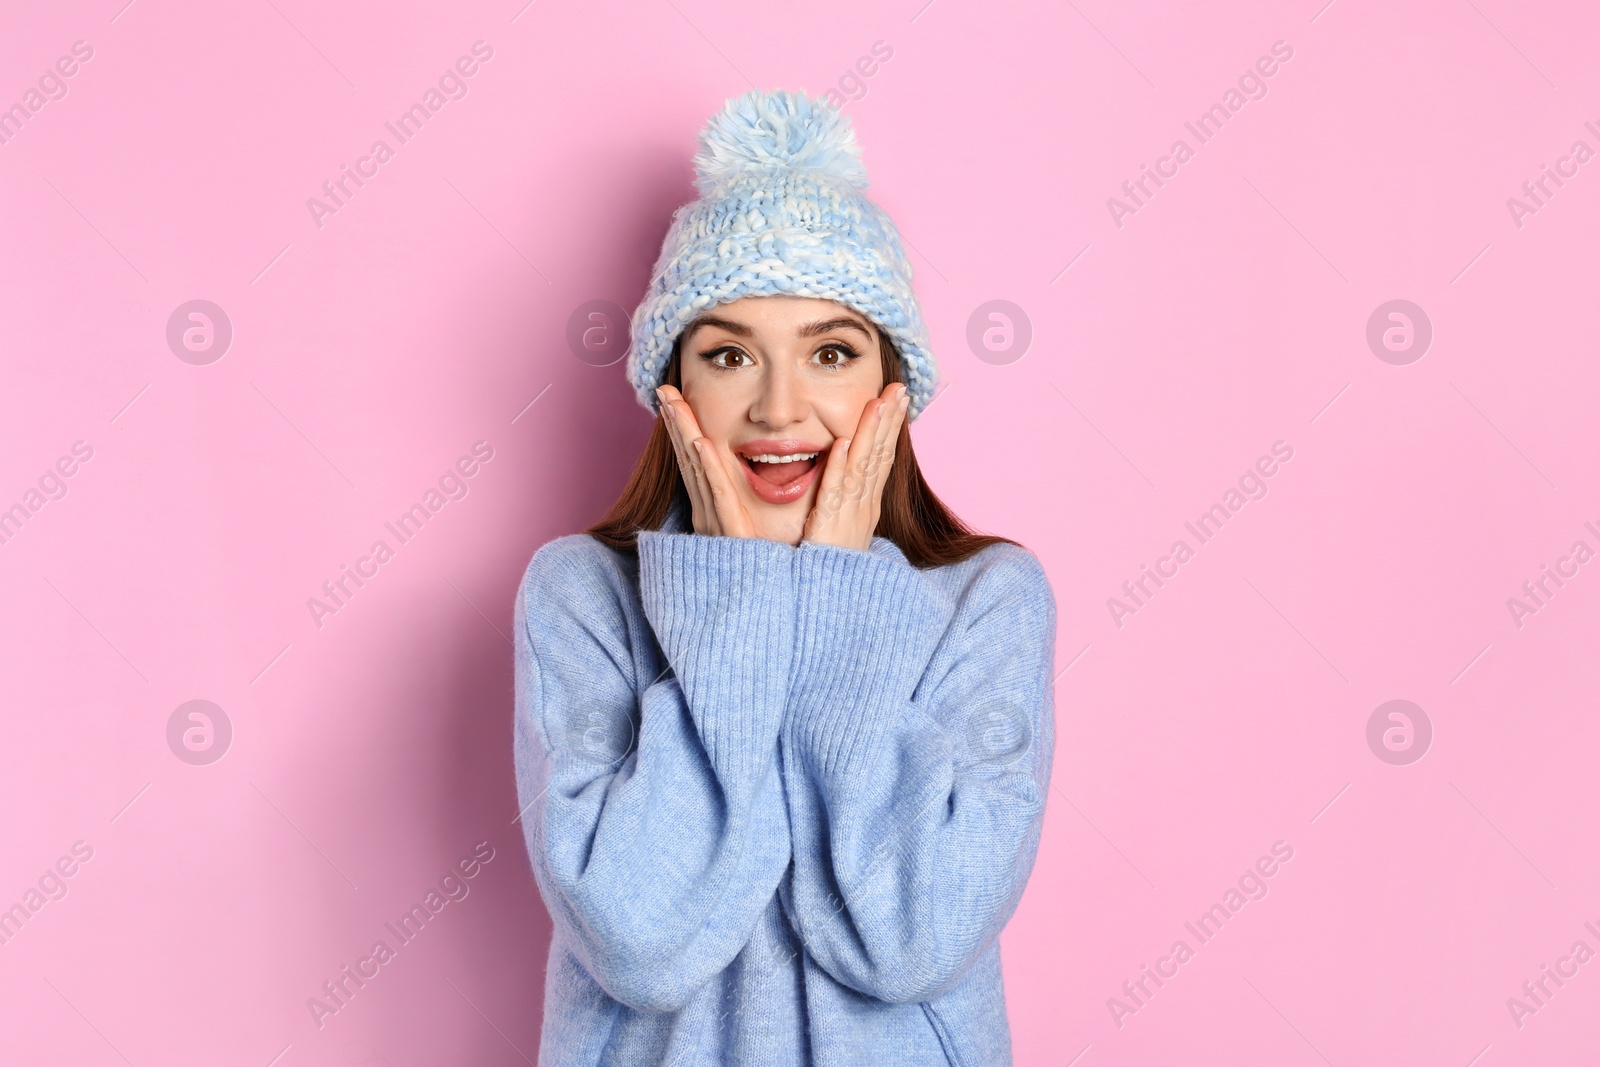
<point x="677" y="521"/>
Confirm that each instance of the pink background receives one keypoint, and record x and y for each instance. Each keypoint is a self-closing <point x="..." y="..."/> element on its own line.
<point x="1168" y="354"/>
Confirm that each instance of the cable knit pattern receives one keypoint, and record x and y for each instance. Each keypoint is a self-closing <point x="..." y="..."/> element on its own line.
<point x="781" y="211"/>
<point x="779" y="801"/>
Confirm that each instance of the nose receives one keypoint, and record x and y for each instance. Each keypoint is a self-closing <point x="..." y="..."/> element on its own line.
<point x="780" y="398"/>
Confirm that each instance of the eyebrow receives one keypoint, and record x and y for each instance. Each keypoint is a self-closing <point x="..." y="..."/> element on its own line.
<point x="810" y="329"/>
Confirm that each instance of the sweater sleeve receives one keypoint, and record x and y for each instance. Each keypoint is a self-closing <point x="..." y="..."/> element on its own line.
<point x="652" y="807"/>
<point x="916" y="758"/>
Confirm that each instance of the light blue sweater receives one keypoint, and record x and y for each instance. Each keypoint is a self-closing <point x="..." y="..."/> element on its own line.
<point x="779" y="800"/>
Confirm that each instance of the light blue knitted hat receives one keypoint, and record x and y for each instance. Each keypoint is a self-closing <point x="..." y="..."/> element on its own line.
<point x="780" y="212"/>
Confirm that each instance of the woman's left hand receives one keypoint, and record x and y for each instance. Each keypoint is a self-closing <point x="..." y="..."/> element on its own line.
<point x="850" y="495"/>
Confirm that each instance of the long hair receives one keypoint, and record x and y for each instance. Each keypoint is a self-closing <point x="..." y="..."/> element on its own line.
<point x="910" y="514"/>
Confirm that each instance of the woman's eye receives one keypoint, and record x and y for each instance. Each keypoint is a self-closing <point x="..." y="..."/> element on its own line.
<point x="721" y="357"/>
<point x="835" y="355"/>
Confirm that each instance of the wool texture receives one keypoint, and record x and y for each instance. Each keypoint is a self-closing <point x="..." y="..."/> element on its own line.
<point x="779" y="800"/>
<point x="781" y="211"/>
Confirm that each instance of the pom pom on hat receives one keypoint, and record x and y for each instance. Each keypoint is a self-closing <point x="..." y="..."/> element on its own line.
<point x="769" y="131"/>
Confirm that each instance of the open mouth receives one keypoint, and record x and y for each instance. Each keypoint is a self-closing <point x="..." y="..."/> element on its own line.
<point x="781" y="470"/>
<point x="780" y="477"/>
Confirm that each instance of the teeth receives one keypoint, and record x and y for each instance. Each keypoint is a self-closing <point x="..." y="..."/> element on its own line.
<point x="766" y="458"/>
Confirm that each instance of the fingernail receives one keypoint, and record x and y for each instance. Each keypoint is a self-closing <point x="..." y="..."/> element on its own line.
<point x="672" y="412"/>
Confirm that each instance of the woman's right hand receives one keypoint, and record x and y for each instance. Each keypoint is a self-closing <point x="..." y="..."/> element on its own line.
<point x="714" y="501"/>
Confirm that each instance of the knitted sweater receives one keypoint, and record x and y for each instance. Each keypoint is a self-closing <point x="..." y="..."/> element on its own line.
<point x="779" y="800"/>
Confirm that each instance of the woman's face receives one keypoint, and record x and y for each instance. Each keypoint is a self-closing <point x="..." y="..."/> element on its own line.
<point x="779" y="376"/>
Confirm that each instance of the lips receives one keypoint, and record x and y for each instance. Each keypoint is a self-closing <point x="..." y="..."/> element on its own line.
<point x="774" y="474"/>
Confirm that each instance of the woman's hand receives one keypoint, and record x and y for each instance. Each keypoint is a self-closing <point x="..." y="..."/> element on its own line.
<point x="715" y="503"/>
<point x="851" y="491"/>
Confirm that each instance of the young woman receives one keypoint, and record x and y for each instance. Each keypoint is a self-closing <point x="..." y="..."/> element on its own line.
<point x="783" y="724"/>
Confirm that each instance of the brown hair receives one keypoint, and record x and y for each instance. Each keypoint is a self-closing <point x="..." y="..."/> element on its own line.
<point x="911" y="515"/>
